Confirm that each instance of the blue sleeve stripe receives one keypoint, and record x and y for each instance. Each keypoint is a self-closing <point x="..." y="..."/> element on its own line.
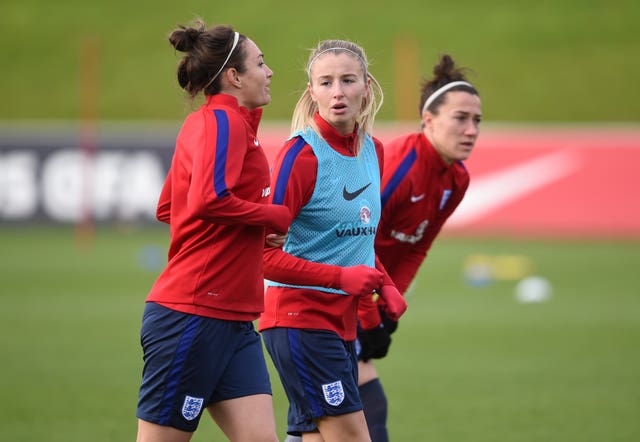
<point x="222" y="149"/>
<point x="179" y="358"/>
<point x="398" y="176"/>
<point x="285" y="170"/>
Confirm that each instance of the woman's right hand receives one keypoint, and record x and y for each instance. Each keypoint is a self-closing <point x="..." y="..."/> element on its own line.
<point x="360" y="280"/>
<point x="275" y="239"/>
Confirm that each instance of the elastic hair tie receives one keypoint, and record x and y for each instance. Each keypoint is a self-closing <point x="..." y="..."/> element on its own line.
<point x="236" y="37"/>
<point x="441" y="91"/>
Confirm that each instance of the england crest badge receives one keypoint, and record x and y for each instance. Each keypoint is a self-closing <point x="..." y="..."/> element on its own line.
<point x="191" y="407"/>
<point x="333" y="393"/>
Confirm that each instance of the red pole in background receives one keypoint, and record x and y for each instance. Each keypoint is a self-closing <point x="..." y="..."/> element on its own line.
<point x="406" y="77"/>
<point x="88" y="134"/>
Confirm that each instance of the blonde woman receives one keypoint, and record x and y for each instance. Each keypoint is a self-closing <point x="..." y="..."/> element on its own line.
<point x="328" y="176"/>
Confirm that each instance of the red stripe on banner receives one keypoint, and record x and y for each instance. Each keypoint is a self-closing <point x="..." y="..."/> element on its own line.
<point x="542" y="181"/>
<point x="562" y="183"/>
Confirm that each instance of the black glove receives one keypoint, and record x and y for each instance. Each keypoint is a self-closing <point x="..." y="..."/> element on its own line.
<point x="374" y="343"/>
<point x="389" y="325"/>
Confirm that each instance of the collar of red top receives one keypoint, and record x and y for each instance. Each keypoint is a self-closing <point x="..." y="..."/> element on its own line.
<point x="250" y="116"/>
<point x="343" y="144"/>
<point x="433" y="155"/>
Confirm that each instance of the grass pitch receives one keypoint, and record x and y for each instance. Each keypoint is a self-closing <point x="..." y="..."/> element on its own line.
<point x="542" y="61"/>
<point x="467" y="363"/>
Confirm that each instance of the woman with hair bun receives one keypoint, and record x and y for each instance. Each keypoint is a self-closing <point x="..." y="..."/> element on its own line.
<point x="424" y="180"/>
<point x="199" y="345"/>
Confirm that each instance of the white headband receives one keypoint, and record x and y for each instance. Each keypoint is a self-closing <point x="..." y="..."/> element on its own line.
<point x="332" y="49"/>
<point x="441" y="91"/>
<point x="236" y="37"/>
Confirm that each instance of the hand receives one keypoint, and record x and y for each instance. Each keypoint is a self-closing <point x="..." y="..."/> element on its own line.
<point x="360" y="280"/>
<point x="389" y="324"/>
<point x="394" y="303"/>
<point x="374" y="343"/>
<point x="369" y="314"/>
<point x="275" y="239"/>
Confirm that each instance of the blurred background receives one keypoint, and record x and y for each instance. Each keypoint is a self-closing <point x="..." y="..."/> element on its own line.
<point x="525" y="318"/>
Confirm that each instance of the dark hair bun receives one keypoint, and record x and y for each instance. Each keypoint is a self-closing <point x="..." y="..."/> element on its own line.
<point x="445" y="70"/>
<point x="184" y="39"/>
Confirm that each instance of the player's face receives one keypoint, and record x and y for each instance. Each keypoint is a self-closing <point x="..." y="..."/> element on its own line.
<point x="454" y="130"/>
<point x="255" y="79"/>
<point x="338" y="86"/>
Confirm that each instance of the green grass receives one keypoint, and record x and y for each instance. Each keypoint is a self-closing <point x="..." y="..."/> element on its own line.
<point x="544" y="61"/>
<point x="467" y="363"/>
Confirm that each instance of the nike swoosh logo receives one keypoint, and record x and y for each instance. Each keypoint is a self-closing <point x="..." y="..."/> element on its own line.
<point x="415" y="199"/>
<point x="496" y="190"/>
<point x="351" y="195"/>
<point x="256" y="142"/>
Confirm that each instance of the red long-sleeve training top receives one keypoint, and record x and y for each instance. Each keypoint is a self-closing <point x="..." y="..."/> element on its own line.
<point x="315" y="309"/>
<point x="419" y="192"/>
<point x="215" y="200"/>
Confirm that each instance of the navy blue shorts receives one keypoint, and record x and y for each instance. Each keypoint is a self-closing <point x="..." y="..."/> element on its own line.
<point x="319" y="373"/>
<point x="191" y="362"/>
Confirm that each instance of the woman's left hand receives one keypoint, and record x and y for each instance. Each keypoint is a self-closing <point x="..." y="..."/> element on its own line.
<point x="275" y="239"/>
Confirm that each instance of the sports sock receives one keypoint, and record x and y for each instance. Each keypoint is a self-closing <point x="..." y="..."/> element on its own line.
<point x="293" y="438"/>
<point x="375" y="410"/>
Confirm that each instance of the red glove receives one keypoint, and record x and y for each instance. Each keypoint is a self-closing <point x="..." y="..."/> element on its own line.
<point x="360" y="280"/>
<point x="368" y="313"/>
<point x="395" y="305"/>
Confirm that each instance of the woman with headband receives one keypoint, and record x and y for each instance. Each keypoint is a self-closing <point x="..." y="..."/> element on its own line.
<point x="200" y="348"/>
<point x="424" y="181"/>
<point x="328" y="175"/>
